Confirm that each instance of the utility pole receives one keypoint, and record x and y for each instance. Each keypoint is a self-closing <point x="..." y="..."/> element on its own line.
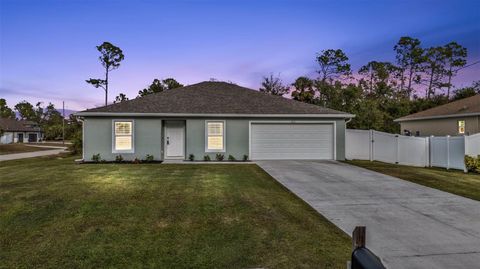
<point x="63" y="123"/>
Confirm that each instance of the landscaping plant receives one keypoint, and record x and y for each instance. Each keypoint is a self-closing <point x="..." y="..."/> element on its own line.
<point x="76" y="146"/>
<point x="119" y="158"/>
<point x="96" y="157"/>
<point x="472" y="164"/>
<point x="219" y="157"/>
<point x="149" y="158"/>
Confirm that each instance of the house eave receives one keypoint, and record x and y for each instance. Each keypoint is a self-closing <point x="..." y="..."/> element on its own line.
<point x="202" y="115"/>
<point x="438" y="117"/>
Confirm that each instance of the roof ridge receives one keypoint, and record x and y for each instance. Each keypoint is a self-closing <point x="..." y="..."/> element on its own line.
<point x="214" y="97"/>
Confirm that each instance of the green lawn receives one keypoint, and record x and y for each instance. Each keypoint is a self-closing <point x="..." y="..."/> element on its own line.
<point x="57" y="214"/>
<point x="453" y="181"/>
<point x="18" y="148"/>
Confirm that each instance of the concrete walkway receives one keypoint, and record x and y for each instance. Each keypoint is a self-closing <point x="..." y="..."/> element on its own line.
<point x="16" y="156"/>
<point x="408" y="225"/>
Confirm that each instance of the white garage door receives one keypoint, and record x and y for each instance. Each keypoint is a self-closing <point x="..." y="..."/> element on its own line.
<point x="291" y="141"/>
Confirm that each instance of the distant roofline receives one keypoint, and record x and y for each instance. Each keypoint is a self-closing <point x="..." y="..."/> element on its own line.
<point x="203" y="115"/>
<point x="438" y="117"/>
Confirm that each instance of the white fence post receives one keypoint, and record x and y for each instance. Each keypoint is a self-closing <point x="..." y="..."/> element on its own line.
<point x="396" y="149"/>
<point x="427" y="152"/>
<point x="465" y="150"/>
<point x="371" y="145"/>
<point x="430" y="150"/>
<point x="448" y="151"/>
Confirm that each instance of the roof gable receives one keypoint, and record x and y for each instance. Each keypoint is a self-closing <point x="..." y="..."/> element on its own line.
<point x="213" y="98"/>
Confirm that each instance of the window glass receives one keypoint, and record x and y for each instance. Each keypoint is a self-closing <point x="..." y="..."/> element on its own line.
<point x="461" y="126"/>
<point x="123" y="135"/>
<point x="215" y="134"/>
<point x="123" y="128"/>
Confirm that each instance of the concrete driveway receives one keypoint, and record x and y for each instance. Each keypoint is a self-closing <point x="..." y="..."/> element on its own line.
<point x="408" y="225"/>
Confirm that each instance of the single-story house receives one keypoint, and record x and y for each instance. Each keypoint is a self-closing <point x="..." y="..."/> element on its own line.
<point x="212" y="118"/>
<point x="19" y="131"/>
<point x="460" y="117"/>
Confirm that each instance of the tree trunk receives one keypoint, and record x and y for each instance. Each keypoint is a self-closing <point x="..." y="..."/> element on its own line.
<point x="430" y="84"/>
<point x="371" y="82"/>
<point x="106" y="86"/>
<point x="410" y="77"/>
<point x="402" y="80"/>
<point x="450" y="74"/>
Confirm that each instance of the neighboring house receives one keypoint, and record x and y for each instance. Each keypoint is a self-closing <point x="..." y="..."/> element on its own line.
<point x="19" y="131"/>
<point x="460" y="117"/>
<point x="212" y="118"/>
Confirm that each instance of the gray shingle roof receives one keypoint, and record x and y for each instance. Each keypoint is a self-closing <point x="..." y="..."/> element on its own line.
<point x="214" y="98"/>
<point x="469" y="105"/>
<point x="13" y="125"/>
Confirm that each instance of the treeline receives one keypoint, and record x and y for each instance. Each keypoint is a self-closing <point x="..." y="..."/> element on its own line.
<point x="380" y="91"/>
<point x="47" y="117"/>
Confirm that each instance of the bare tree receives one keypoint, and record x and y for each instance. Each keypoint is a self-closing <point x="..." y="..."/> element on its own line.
<point x="273" y="85"/>
<point x="110" y="58"/>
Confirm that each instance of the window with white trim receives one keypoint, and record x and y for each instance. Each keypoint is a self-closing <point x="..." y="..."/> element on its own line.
<point x="461" y="126"/>
<point x="123" y="136"/>
<point x="215" y="136"/>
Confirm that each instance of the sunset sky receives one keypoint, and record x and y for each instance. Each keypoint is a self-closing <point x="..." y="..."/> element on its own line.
<point x="47" y="48"/>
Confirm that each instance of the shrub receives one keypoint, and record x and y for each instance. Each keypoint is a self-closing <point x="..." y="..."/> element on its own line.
<point x="119" y="158"/>
<point x="231" y="158"/>
<point x="136" y="161"/>
<point x="149" y="158"/>
<point x="76" y="146"/>
<point x="206" y="158"/>
<point x="245" y="157"/>
<point x="96" y="157"/>
<point x="191" y="157"/>
<point x="219" y="157"/>
<point x="472" y="164"/>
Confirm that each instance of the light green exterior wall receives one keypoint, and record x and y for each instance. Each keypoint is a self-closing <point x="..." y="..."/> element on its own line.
<point x="97" y="138"/>
<point x="340" y="139"/>
<point x="148" y="134"/>
<point x="236" y="138"/>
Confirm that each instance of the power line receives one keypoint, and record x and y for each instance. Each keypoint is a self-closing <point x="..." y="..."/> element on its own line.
<point x="468" y="65"/>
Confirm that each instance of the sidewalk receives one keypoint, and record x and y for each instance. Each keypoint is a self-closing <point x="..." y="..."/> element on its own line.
<point x="17" y="156"/>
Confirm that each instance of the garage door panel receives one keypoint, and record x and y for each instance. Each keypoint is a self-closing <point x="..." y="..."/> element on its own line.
<point x="291" y="141"/>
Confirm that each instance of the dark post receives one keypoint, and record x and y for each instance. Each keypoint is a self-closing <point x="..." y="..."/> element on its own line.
<point x="362" y="257"/>
<point x="358" y="237"/>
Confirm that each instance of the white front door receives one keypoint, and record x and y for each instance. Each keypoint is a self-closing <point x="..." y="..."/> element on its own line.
<point x="174" y="140"/>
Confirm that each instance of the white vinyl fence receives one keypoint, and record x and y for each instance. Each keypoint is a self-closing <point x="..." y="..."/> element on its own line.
<point x="472" y="145"/>
<point x="445" y="151"/>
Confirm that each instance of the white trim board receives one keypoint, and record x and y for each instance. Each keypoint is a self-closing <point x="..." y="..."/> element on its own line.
<point x="438" y="117"/>
<point x="207" y="115"/>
